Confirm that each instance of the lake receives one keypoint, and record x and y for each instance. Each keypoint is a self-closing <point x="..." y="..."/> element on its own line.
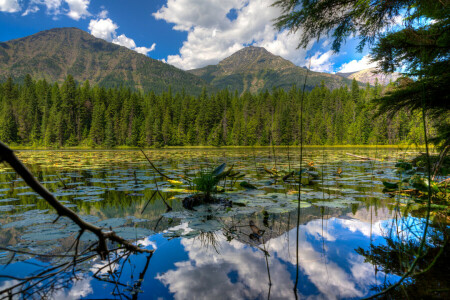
<point x="242" y="248"/>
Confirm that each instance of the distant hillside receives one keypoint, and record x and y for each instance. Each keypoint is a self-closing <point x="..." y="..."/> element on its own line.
<point x="55" y="53"/>
<point x="254" y="69"/>
<point x="370" y="76"/>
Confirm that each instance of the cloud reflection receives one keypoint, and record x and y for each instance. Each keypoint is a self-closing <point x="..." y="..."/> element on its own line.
<point x="240" y="271"/>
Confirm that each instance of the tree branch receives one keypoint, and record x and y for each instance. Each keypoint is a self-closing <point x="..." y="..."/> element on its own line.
<point x="6" y="154"/>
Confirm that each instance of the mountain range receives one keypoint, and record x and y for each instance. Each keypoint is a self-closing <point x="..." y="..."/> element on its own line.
<point x="371" y="76"/>
<point x="254" y="68"/>
<point x="53" y="54"/>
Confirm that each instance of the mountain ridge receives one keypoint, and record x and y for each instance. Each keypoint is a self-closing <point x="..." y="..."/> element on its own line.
<point x="254" y="69"/>
<point x="53" y="54"/>
<point x="371" y="75"/>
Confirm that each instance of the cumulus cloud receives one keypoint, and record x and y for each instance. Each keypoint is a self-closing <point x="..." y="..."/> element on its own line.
<point x="30" y="10"/>
<point x="213" y="36"/>
<point x="186" y="14"/>
<point x="10" y="6"/>
<point x="357" y="65"/>
<point x="122" y="40"/>
<point x="145" y="50"/>
<point x="106" y="29"/>
<point x="321" y="62"/>
<point x="103" y="29"/>
<point x="75" y="9"/>
<point x="103" y="14"/>
<point x="78" y="9"/>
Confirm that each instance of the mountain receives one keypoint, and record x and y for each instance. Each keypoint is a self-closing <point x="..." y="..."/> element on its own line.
<point x="370" y="76"/>
<point x="254" y="69"/>
<point x="54" y="54"/>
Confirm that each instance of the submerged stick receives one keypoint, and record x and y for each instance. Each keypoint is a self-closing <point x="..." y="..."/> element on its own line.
<point x="8" y="155"/>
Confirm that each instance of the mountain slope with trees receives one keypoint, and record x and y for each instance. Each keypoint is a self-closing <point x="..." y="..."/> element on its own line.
<point x="255" y="69"/>
<point x="54" y="54"/>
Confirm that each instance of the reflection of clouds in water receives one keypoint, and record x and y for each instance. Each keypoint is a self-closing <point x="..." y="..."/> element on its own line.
<point x="81" y="288"/>
<point x="7" y="284"/>
<point x="319" y="230"/>
<point x="146" y="243"/>
<point x="363" y="273"/>
<point x="364" y="228"/>
<point x="206" y="274"/>
<point x="330" y="279"/>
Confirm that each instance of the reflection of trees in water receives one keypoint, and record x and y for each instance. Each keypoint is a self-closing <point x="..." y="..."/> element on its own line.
<point x="69" y="270"/>
<point x="48" y="279"/>
<point x="402" y="252"/>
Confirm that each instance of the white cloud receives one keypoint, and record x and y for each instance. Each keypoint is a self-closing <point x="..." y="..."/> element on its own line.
<point x="75" y="9"/>
<point x="106" y="29"/>
<point x="78" y="9"/>
<point x="145" y="50"/>
<point x="122" y="40"/>
<point x="103" y="29"/>
<point x="357" y="65"/>
<point x="30" y="10"/>
<point x="212" y="36"/>
<point x="321" y="62"/>
<point x="187" y="14"/>
<point x="53" y="6"/>
<point x="9" y="6"/>
<point x="103" y="14"/>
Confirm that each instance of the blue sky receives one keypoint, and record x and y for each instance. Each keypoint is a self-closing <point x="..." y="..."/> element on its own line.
<point x="185" y="33"/>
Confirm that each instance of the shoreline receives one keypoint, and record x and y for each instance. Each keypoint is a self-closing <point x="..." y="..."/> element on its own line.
<point x="118" y="148"/>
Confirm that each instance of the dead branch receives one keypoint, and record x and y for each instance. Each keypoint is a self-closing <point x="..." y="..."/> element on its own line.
<point x="153" y="166"/>
<point x="6" y="154"/>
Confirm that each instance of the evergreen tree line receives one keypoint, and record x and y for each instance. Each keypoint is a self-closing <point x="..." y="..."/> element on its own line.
<point x="38" y="113"/>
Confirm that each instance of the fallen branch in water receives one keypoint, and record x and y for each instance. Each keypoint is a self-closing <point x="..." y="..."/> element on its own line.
<point x="6" y="154"/>
<point x="362" y="157"/>
<point x="153" y="166"/>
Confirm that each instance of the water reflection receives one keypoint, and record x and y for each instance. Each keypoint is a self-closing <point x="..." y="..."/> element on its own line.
<point x="244" y="252"/>
<point x="333" y="271"/>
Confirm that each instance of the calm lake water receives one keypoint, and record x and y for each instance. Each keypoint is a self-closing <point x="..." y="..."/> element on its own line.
<point x="213" y="252"/>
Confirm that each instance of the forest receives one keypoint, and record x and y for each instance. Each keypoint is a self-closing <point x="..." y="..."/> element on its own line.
<point x="41" y="114"/>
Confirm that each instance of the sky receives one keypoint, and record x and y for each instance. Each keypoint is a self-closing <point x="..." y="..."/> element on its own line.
<point x="188" y="34"/>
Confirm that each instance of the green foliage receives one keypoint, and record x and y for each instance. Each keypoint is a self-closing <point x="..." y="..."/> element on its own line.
<point x="420" y="46"/>
<point x="206" y="181"/>
<point x="36" y="113"/>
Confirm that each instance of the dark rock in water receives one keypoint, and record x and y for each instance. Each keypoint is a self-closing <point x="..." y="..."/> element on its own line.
<point x="194" y="200"/>
<point x="247" y="185"/>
